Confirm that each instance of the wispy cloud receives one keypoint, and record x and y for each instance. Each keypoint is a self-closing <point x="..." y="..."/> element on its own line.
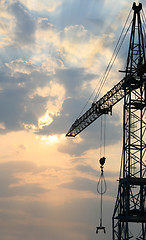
<point x="53" y="54"/>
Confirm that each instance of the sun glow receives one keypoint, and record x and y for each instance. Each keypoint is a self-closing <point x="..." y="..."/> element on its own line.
<point x="50" y="140"/>
<point x="44" y="121"/>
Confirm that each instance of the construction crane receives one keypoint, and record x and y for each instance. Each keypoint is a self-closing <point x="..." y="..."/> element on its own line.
<point x="130" y="206"/>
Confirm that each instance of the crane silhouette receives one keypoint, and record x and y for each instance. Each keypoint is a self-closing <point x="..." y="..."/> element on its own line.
<point x="130" y="206"/>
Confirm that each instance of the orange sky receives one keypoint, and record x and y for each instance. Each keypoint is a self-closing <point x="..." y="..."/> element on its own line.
<point x="53" y="55"/>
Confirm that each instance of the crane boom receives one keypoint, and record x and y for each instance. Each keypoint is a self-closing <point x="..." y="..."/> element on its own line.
<point x="130" y="203"/>
<point x="102" y="106"/>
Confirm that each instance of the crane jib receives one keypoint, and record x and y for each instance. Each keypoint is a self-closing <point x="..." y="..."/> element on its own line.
<point x="104" y="105"/>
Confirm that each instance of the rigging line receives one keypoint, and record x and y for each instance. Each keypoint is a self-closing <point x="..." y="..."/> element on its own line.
<point x="101" y="185"/>
<point x="122" y="156"/>
<point x="101" y="137"/>
<point x="106" y="68"/>
<point x="143" y="16"/>
<point x="104" y="131"/>
<point x="101" y="207"/>
<point x="86" y="104"/>
<point x="110" y="67"/>
<point x="113" y="56"/>
<point x="144" y="22"/>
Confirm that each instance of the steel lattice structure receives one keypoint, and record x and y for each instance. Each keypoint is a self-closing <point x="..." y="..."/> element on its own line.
<point x="130" y="208"/>
<point x="130" y="205"/>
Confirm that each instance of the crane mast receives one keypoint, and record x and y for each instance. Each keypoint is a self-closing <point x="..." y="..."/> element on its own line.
<point x="130" y="206"/>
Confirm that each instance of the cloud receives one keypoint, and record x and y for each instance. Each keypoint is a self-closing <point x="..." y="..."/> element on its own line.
<point x="11" y="185"/>
<point x="81" y="184"/>
<point x="43" y="6"/>
<point x="73" y="80"/>
<point x="26" y="103"/>
<point x="39" y="220"/>
<point x="52" y="55"/>
<point x="86" y="184"/>
<point x="24" y="30"/>
<point x="21" y="100"/>
<point x="91" y="137"/>
<point x="87" y="169"/>
<point x="26" y="216"/>
<point x="79" y="12"/>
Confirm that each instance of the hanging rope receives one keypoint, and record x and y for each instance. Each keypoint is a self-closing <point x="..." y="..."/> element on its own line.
<point x="101" y="189"/>
<point x="102" y="135"/>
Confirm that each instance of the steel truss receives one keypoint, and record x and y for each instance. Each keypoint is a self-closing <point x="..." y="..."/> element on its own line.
<point x="130" y="209"/>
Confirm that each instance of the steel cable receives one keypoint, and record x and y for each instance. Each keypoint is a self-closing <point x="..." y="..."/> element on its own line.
<point x="101" y="189"/>
<point x="111" y="62"/>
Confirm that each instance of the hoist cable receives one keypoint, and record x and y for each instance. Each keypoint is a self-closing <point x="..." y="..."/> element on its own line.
<point x="101" y="189"/>
<point x="104" y="132"/>
<point x="102" y="135"/>
<point x="107" y="71"/>
<point x="113" y="57"/>
<point x="110" y="67"/>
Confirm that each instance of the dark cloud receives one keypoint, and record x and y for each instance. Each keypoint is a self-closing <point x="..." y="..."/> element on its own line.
<point x="41" y="220"/>
<point x="81" y="13"/>
<point x="21" y="218"/>
<point x="93" y="172"/>
<point x="17" y="107"/>
<point x="86" y="184"/>
<point x="87" y="169"/>
<point x="73" y="79"/>
<point x="25" y="25"/>
<point x="81" y="184"/>
<point x="91" y="137"/>
<point x="11" y="185"/>
<point x="45" y="24"/>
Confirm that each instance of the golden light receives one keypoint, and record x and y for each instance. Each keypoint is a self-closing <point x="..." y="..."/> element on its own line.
<point x="44" y="120"/>
<point x="2" y="126"/>
<point x="51" y="139"/>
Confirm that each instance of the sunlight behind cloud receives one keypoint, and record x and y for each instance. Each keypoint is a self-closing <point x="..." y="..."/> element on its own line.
<point x="53" y="55"/>
<point x="50" y="140"/>
<point x="2" y="125"/>
<point x="44" y="121"/>
<point x="36" y="5"/>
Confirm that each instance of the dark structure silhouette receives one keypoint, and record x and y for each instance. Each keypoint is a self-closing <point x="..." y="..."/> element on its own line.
<point x="130" y="208"/>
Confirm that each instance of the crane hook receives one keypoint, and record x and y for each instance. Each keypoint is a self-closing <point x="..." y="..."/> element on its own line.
<point x="101" y="189"/>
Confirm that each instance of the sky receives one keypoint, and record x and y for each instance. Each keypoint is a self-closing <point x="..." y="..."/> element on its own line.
<point x="52" y="56"/>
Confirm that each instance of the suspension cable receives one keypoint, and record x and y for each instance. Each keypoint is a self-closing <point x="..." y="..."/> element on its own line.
<point x="108" y="69"/>
<point x="110" y="65"/>
<point x="144" y="24"/>
<point x="102" y="135"/>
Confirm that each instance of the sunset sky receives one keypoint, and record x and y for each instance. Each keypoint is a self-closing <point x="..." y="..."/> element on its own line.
<point x="53" y="54"/>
